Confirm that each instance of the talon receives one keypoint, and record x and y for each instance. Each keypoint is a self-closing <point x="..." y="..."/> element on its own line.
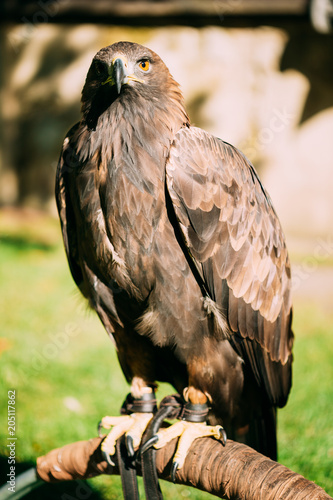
<point x="223" y="436"/>
<point x="129" y="445"/>
<point x="99" y="427"/>
<point x="107" y="457"/>
<point x="187" y="432"/>
<point x="148" y="444"/>
<point x="173" y="471"/>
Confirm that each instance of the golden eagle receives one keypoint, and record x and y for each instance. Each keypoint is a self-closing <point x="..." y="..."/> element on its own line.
<point x="174" y="241"/>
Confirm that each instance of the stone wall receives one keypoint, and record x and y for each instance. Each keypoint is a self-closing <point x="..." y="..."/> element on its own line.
<point x="266" y="90"/>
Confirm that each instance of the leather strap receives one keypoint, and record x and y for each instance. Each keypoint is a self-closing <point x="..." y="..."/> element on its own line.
<point x="194" y="412"/>
<point x="170" y="407"/>
<point x="127" y="463"/>
<point x="127" y="471"/>
<point x="146" y="404"/>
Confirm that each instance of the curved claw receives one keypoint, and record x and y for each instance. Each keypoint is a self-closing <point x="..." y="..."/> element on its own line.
<point x="173" y="471"/>
<point x="107" y="457"/>
<point x="129" y="446"/>
<point x="148" y="444"/>
<point x="223" y="436"/>
<point x="99" y="428"/>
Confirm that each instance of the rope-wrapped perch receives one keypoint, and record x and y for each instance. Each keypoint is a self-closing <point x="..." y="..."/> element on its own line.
<point x="232" y="472"/>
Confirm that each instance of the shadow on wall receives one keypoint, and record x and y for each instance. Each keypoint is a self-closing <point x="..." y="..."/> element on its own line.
<point x="265" y="90"/>
<point x="312" y="55"/>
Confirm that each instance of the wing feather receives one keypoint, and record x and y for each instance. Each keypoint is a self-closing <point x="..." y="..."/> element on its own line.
<point x="232" y="233"/>
<point x="65" y="209"/>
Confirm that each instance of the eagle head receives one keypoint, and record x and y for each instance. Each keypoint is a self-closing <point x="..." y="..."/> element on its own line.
<point x="133" y="76"/>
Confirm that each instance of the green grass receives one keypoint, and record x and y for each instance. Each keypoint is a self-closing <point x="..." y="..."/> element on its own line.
<point x="305" y="424"/>
<point x="52" y="348"/>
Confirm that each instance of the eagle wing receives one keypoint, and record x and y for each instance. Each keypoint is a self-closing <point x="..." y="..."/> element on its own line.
<point x="66" y="213"/>
<point x="83" y="228"/>
<point x="233" y="239"/>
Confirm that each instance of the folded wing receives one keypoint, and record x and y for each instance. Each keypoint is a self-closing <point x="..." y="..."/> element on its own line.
<point x="234" y="239"/>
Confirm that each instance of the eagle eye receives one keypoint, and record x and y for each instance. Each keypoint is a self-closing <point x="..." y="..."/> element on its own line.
<point x="144" y="65"/>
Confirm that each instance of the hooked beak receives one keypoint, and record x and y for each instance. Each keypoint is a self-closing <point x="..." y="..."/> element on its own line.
<point x="119" y="74"/>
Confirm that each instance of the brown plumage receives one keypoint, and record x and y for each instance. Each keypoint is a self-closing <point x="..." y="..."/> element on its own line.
<point x="173" y="239"/>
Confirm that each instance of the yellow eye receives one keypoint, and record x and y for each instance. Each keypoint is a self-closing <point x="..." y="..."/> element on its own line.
<point x="144" y="65"/>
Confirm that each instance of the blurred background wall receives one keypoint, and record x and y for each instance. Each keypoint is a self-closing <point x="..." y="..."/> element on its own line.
<point x="265" y="87"/>
<point x="257" y="73"/>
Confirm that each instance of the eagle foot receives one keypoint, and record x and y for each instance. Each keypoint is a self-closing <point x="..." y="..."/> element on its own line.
<point x="192" y="425"/>
<point x="136" y="415"/>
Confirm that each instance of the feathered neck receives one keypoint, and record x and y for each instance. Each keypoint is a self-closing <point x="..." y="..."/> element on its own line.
<point x="145" y="119"/>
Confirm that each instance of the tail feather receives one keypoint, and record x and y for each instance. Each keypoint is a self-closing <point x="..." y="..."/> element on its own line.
<point x="260" y="434"/>
<point x="263" y="436"/>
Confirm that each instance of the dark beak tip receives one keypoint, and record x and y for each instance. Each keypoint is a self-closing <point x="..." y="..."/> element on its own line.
<point x="119" y="73"/>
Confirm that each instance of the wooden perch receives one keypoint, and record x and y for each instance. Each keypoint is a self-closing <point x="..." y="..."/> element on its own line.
<point x="234" y="472"/>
